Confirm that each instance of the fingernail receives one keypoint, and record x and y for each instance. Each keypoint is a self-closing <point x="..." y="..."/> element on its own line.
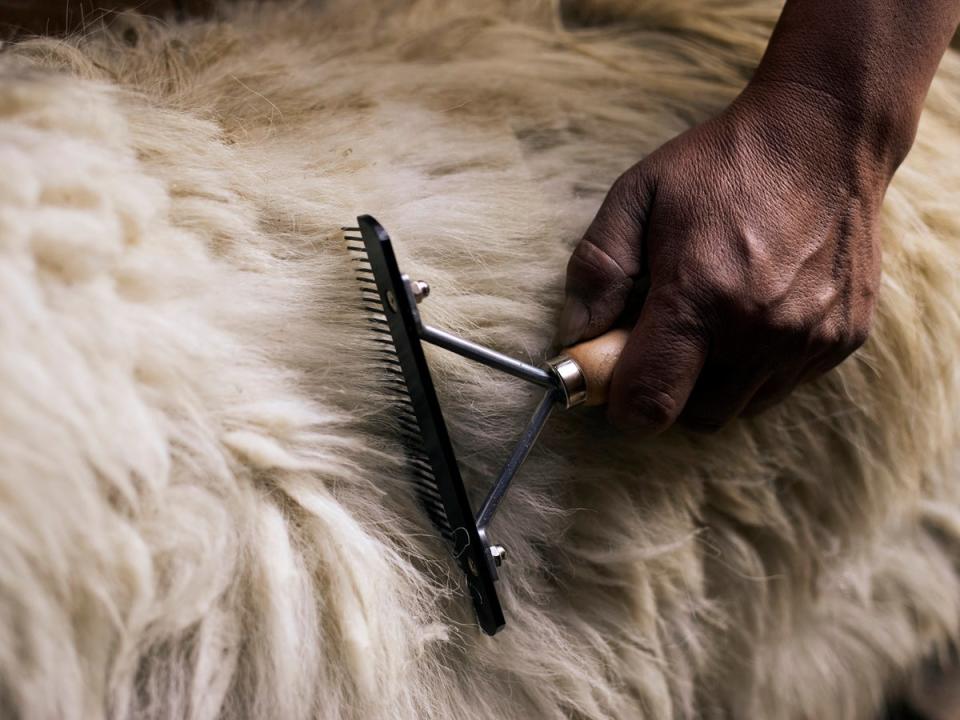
<point x="573" y="321"/>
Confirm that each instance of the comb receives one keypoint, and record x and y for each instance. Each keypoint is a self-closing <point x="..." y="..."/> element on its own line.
<point x="580" y="375"/>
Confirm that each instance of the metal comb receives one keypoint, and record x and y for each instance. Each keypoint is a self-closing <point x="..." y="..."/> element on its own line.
<point x="391" y="299"/>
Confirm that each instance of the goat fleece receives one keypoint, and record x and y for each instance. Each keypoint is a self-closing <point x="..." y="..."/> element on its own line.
<point x="203" y="508"/>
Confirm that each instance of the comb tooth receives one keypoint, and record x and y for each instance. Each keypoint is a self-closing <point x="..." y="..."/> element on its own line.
<point x="436" y="511"/>
<point x="413" y="430"/>
<point x="427" y="488"/>
<point x="411" y="434"/>
<point x="405" y="416"/>
<point x="429" y="499"/>
<point x="352" y="237"/>
<point x="442" y="524"/>
<point x="388" y="363"/>
<point x="428" y="492"/>
<point x="433" y="507"/>
<point x="422" y="462"/>
<point x="427" y="485"/>
<point x="408" y="428"/>
<point x="347" y="228"/>
<point x="424" y="472"/>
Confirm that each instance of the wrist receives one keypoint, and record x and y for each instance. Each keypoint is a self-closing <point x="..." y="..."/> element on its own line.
<point x="877" y="129"/>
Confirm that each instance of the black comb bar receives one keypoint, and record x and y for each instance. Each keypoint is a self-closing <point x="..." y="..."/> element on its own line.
<point x="457" y="520"/>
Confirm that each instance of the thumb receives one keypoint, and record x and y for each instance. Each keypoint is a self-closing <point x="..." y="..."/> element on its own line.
<point x="606" y="261"/>
<point x="659" y="366"/>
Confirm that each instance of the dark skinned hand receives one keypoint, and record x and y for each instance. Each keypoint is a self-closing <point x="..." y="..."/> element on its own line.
<point x="757" y="230"/>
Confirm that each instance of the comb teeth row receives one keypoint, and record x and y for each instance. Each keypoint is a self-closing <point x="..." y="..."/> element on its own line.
<point x="381" y="340"/>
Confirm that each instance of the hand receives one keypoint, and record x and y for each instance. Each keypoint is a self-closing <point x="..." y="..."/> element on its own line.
<point x="757" y="233"/>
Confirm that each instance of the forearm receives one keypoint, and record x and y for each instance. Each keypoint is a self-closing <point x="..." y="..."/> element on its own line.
<point x="876" y="58"/>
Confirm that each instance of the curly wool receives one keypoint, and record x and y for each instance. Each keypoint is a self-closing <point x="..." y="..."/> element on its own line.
<point x="205" y="513"/>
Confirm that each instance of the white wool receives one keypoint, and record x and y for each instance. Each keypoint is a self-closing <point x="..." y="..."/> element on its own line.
<point x="204" y="510"/>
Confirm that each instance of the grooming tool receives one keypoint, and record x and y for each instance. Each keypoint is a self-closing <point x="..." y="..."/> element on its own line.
<point x="580" y="375"/>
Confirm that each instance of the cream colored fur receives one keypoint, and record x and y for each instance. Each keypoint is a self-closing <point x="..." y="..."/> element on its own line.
<point x="203" y="507"/>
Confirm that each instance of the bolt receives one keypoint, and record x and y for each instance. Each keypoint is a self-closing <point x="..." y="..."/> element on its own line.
<point x="392" y="300"/>
<point x="498" y="553"/>
<point x="420" y="290"/>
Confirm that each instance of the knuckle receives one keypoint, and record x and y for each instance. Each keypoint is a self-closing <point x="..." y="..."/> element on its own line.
<point x="857" y="337"/>
<point x="646" y="405"/>
<point x="592" y="272"/>
<point x="626" y="188"/>
<point x="826" y="337"/>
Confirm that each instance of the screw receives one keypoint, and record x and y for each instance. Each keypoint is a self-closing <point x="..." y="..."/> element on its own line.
<point x="420" y="290"/>
<point x="392" y="300"/>
<point x="498" y="553"/>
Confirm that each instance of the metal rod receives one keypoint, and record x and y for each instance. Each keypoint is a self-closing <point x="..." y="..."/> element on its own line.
<point x="486" y="356"/>
<point x="520" y="451"/>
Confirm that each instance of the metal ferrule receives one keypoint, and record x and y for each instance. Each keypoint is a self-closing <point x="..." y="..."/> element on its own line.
<point x="573" y="383"/>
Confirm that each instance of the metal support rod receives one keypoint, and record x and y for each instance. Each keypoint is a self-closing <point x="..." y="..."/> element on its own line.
<point x="520" y="451"/>
<point x="486" y="356"/>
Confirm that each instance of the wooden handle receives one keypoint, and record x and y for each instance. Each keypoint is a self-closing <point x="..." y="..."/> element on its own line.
<point x="597" y="359"/>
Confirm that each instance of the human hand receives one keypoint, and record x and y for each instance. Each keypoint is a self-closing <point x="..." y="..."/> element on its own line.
<point x="756" y="231"/>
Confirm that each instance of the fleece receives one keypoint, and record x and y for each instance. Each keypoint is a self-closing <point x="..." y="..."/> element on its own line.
<point x="204" y="506"/>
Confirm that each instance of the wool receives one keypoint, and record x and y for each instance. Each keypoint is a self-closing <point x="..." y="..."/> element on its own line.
<point x="205" y="511"/>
